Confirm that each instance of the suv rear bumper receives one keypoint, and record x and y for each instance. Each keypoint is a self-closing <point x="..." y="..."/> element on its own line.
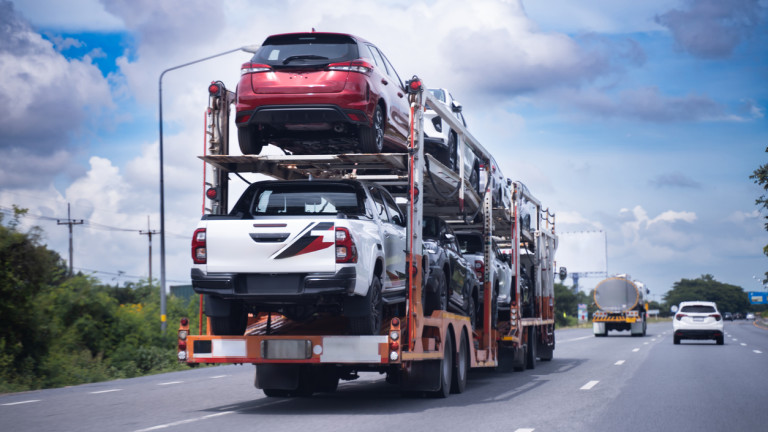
<point x="699" y="333"/>
<point x="275" y="288"/>
<point x="300" y="114"/>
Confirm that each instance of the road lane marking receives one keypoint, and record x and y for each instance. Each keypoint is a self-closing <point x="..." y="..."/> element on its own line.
<point x="525" y="430"/>
<point x="645" y="343"/>
<point x="619" y="363"/>
<point x="106" y="391"/>
<point x="219" y="376"/>
<point x="575" y="339"/>
<point x="734" y="339"/>
<point x="743" y="344"/>
<point x="589" y="385"/>
<point x="636" y="350"/>
<point x="182" y="422"/>
<point x="21" y="402"/>
<point x="757" y="351"/>
<point x="171" y="382"/>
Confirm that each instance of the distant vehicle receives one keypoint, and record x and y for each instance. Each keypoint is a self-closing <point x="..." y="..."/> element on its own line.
<point x="750" y="316"/>
<point x="321" y="93"/>
<point x="621" y="304"/>
<point x="442" y="142"/>
<point x="698" y="320"/>
<point x="452" y="284"/>
<point x="728" y="316"/>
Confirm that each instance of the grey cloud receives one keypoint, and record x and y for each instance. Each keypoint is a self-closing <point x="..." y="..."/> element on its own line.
<point x="713" y="28"/>
<point x="49" y="101"/>
<point x="674" y="180"/>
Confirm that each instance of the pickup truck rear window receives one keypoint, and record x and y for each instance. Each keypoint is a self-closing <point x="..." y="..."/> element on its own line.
<point x="305" y="200"/>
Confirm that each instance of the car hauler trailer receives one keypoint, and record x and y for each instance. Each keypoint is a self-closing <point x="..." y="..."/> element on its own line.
<point x="420" y="353"/>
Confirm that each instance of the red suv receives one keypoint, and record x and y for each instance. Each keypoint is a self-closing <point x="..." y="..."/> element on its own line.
<point x="321" y="93"/>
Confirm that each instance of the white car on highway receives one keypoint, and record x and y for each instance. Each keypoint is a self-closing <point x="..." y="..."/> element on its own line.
<point x="697" y="320"/>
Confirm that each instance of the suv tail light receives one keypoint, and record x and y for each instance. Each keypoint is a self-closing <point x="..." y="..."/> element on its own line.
<point x="717" y="317"/>
<point x="359" y="66"/>
<point x="199" y="250"/>
<point x="680" y="316"/>
<point x="346" y="251"/>
<point x="479" y="269"/>
<point x="249" y="68"/>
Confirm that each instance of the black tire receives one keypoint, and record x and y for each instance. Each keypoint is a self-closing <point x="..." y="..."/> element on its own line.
<point x="452" y="157"/>
<point x="547" y="351"/>
<point x="438" y="298"/>
<point x="249" y="140"/>
<point x="720" y="340"/>
<point x="530" y="353"/>
<point x="461" y="368"/>
<point x="446" y="369"/>
<point x="372" y="137"/>
<point x="676" y="340"/>
<point x="232" y="325"/>
<point x="369" y="324"/>
<point x="276" y="392"/>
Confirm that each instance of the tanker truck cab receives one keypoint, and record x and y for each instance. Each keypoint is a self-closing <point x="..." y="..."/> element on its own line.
<point x="299" y="248"/>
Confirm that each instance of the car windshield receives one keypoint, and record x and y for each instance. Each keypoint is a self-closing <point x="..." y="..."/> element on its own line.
<point x="305" y="199"/>
<point x="698" y="309"/>
<point x="470" y="244"/>
<point x="306" y="50"/>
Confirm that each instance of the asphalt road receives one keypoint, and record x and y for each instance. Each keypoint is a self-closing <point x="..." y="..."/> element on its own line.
<point x="618" y="383"/>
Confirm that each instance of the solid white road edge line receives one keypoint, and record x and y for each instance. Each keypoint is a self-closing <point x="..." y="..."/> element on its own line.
<point x="181" y="422"/>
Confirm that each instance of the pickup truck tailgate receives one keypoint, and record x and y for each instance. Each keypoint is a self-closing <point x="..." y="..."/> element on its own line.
<point x="270" y="246"/>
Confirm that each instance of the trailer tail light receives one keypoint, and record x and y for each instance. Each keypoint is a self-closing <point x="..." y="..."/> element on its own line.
<point x="346" y="251"/>
<point x="358" y="66"/>
<point x="480" y="269"/>
<point x="199" y="250"/>
<point x="394" y="340"/>
<point x="249" y="68"/>
<point x="183" y="333"/>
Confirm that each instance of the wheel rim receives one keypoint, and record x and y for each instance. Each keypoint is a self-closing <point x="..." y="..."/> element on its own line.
<point x="378" y="128"/>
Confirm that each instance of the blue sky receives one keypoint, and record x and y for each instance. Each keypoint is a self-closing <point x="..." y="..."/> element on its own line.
<point x="640" y="120"/>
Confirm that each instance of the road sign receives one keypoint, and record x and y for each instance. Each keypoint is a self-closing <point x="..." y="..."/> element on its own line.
<point x="756" y="297"/>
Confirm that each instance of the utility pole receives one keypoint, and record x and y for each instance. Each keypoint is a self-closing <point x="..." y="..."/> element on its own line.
<point x="69" y="222"/>
<point x="149" y="233"/>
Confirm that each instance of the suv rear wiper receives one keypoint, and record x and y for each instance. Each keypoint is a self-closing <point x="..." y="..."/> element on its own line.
<point x="303" y="57"/>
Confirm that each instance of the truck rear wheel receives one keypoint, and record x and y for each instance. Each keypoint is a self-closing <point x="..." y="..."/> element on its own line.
<point x="460" y="370"/>
<point x="446" y="368"/>
<point x="369" y="323"/>
<point x="530" y="353"/>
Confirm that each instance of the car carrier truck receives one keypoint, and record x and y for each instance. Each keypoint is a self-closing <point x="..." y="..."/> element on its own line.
<point x="297" y="353"/>
<point x="621" y="306"/>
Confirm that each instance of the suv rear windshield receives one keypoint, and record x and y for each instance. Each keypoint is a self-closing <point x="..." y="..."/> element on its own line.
<point x="305" y="199"/>
<point x="470" y="244"/>
<point x="698" y="309"/>
<point x="310" y="49"/>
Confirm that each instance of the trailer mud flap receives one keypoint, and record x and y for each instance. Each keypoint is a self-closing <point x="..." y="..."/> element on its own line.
<point x="421" y="376"/>
<point x="277" y="376"/>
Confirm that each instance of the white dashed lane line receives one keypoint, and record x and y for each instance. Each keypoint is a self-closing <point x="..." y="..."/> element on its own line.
<point x="106" y="391"/>
<point x="743" y="344"/>
<point x="636" y="350"/>
<point x="170" y="383"/>
<point x="589" y="385"/>
<point x="21" y="402"/>
<point x="182" y="422"/>
<point x="757" y="351"/>
<point x="619" y="363"/>
<point x="525" y="430"/>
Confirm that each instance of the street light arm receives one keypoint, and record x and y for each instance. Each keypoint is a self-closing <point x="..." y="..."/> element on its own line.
<point x="248" y="48"/>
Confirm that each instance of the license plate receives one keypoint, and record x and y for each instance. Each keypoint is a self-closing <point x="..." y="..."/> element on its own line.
<point x="286" y="349"/>
<point x="698" y="319"/>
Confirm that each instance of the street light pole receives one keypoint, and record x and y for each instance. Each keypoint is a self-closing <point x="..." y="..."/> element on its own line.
<point x="251" y="49"/>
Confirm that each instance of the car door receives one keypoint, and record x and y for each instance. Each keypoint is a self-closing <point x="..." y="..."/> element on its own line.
<point x="393" y="240"/>
<point x="394" y="97"/>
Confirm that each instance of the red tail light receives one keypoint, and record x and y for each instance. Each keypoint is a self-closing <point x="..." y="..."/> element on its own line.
<point x="717" y="317"/>
<point x="479" y="269"/>
<point x="249" y="68"/>
<point x="199" y="250"/>
<point x="680" y="316"/>
<point x="359" y="66"/>
<point x="346" y="251"/>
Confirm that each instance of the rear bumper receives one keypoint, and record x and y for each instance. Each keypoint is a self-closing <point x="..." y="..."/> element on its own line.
<point x="301" y="114"/>
<point x="275" y="288"/>
<point x="698" y="333"/>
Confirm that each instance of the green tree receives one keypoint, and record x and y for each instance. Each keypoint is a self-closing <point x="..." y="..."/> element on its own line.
<point x="567" y="305"/>
<point x="760" y="177"/>
<point x="728" y="297"/>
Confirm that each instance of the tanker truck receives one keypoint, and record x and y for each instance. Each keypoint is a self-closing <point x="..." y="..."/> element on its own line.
<point x="621" y="306"/>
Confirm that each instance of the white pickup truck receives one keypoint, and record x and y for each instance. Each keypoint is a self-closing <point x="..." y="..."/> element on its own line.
<point x="303" y="247"/>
